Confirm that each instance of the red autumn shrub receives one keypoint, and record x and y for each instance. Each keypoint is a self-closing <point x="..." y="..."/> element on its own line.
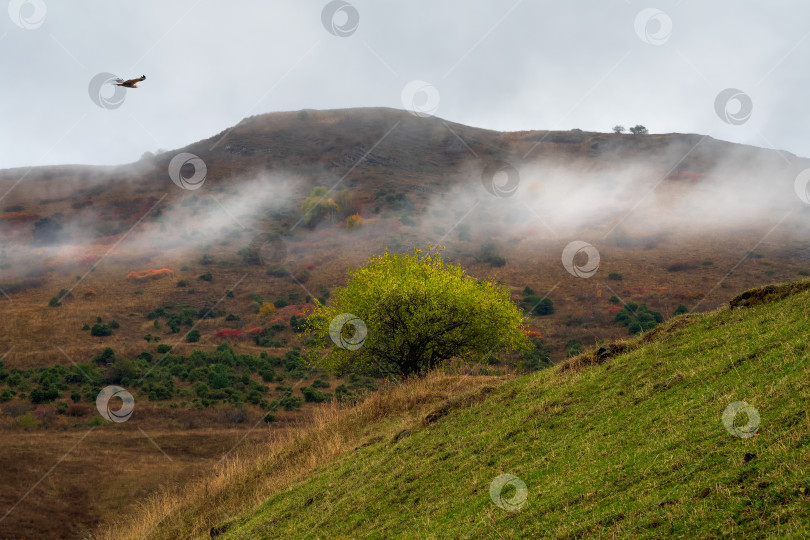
<point x="228" y="333"/>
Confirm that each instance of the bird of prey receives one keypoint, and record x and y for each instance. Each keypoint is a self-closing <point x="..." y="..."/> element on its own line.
<point x="131" y="83"/>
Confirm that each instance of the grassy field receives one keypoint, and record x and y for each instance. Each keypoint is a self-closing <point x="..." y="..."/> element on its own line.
<point x="628" y="441"/>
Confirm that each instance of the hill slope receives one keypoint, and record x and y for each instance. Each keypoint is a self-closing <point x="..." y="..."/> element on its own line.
<point x="630" y="444"/>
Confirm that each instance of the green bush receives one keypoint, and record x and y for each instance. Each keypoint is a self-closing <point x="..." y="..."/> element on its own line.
<point x="681" y="309"/>
<point x="574" y="347"/>
<point x="535" y="359"/>
<point x="163" y="348"/>
<point x="43" y="394"/>
<point x="206" y="277"/>
<point x="277" y="272"/>
<point x="193" y="336"/>
<point x="54" y="302"/>
<point x="289" y="403"/>
<point x="106" y="357"/>
<point x="638" y="318"/>
<point x="487" y="254"/>
<point x="544" y="307"/>
<point x="312" y="395"/>
<point x="114" y="325"/>
<point x="614" y="299"/>
<point x="101" y="330"/>
<point x="615" y="276"/>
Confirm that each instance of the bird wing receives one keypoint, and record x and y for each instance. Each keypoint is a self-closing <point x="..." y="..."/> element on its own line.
<point x="132" y="82"/>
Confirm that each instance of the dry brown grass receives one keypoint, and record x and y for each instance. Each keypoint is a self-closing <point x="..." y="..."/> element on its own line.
<point x="246" y="479"/>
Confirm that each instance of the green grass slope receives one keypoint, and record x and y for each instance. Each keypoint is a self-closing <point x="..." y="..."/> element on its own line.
<point x="632" y="446"/>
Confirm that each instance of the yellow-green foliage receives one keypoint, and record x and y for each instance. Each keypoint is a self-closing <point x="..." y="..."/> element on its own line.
<point x="267" y="309"/>
<point x="354" y="221"/>
<point x="317" y="206"/>
<point x="419" y="312"/>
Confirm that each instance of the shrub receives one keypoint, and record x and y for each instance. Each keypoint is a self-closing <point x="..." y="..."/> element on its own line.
<point x="106" y="357"/>
<point x="207" y="260"/>
<point x="681" y="266"/>
<point x="354" y="222"/>
<point x="638" y="318"/>
<point x="231" y="317"/>
<point x="164" y="348"/>
<point x="536" y="358"/>
<point x="86" y="327"/>
<point x="182" y="283"/>
<point x="114" y="325"/>
<point x="487" y="254"/>
<point x="311" y="395"/>
<point x="101" y="330"/>
<point x="318" y="206"/>
<point x="318" y="383"/>
<point x="77" y="409"/>
<point x="614" y="299"/>
<point x="544" y="307"/>
<point x="144" y="275"/>
<point x="206" y="277"/>
<point x="290" y="403"/>
<point x="418" y="312"/>
<point x="266" y="310"/>
<point x="227" y="333"/>
<point x="193" y="336"/>
<point x="528" y="291"/>
<point x="681" y="309"/>
<point x="43" y="394"/>
<point x="615" y="276"/>
<point x="297" y="324"/>
<point x="301" y="276"/>
<point x="280" y="303"/>
<point x="574" y="347"/>
<point x="54" y="302"/>
<point x="276" y="272"/>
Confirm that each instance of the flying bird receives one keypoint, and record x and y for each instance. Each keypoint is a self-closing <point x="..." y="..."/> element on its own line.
<point x="131" y="83"/>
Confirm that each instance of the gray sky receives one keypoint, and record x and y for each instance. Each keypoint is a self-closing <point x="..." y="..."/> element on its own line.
<point x="507" y="65"/>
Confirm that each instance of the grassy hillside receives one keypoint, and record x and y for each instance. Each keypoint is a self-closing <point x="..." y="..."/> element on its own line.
<point x="628" y="440"/>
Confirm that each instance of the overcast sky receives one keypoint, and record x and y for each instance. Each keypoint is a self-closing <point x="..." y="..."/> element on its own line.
<point x="506" y="65"/>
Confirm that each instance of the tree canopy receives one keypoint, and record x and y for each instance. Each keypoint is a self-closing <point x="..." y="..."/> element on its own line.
<point x="407" y="314"/>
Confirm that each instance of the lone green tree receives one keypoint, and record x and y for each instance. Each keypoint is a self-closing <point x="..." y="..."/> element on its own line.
<point x="638" y="130"/>
<point x="407" y="314"/>
<point x="618" y="129"/>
